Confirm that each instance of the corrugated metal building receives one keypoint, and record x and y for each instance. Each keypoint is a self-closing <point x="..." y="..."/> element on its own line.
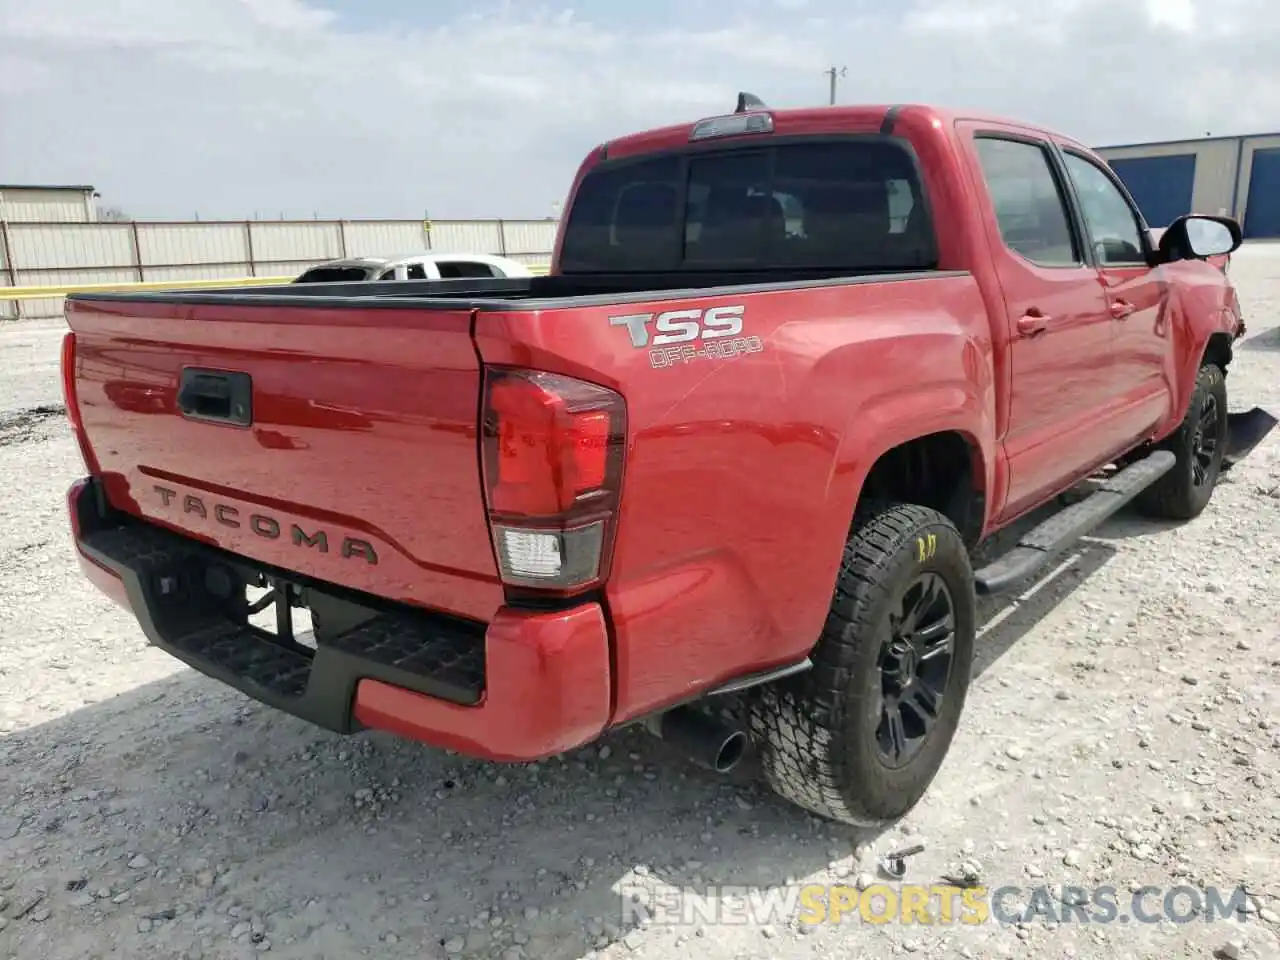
<point x="21" y="203"/>
<point x="1231" y="176"/>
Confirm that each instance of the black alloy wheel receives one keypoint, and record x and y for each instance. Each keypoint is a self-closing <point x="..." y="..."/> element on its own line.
<point x="915" y="667"/>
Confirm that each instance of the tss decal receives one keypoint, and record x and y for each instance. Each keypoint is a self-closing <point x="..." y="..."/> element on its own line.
<point x="681" y="326"/>
<point x="679" y="336"/>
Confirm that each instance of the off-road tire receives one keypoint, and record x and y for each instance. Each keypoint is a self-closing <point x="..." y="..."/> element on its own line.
<point x="816" y="731"/>
<point x="1176" y="495"/>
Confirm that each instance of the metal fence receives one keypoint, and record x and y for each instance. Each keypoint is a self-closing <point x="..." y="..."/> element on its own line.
<point x="67" y="254"/>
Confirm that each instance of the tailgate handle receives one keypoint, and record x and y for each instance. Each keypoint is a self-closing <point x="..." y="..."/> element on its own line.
<point x="216" y="396"/>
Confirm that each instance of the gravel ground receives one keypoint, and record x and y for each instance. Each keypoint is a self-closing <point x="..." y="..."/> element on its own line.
<point x="1123" y="731"/>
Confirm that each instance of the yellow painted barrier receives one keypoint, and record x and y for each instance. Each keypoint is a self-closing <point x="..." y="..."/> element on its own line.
<point x="42" y="293"/>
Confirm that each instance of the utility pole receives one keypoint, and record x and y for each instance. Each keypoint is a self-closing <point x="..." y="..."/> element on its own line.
<point x="835" y="73"/>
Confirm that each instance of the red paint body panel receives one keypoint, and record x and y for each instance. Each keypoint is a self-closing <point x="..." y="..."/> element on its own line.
<point x="548" y="691"/>
<point x="740" y="476"/>
<point x="364" y="427"/>
<point x="733" y="465"/>
<point x="1200" y="306"/>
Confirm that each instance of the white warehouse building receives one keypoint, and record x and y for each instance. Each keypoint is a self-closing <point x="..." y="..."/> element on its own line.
<point x="1230" y="176"/>
<point x="20" y="203"/>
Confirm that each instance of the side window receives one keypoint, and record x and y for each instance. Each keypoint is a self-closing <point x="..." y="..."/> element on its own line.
<point x="1112" y="224"/>
<point x="332" y="275"/>
<point x="387" y="274"/>
<point x="463" y="269"/>
<point x="1028" y="202"/>
<point x="415" y="271"/>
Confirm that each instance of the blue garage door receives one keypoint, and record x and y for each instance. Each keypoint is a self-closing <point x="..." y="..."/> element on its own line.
<point x="1262" y="210"/>
<point x="1161" y="186"/>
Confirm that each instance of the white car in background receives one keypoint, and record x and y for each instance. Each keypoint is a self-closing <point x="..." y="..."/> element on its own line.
<point x="414" y="266"/>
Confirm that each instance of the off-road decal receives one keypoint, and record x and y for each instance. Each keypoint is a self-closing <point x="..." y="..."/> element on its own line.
<point x="660" y="357"/>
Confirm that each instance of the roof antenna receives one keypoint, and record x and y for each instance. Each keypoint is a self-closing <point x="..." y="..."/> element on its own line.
<point x="749" y="101"/>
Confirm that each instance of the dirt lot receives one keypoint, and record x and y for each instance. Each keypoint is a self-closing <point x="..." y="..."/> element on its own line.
<point x="1124" y="730"/>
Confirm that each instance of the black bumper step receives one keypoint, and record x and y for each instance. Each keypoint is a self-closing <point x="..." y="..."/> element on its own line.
<point x="167" y="579"/>
<point x="237" y="652"/>
<point x="1042" y="544"/>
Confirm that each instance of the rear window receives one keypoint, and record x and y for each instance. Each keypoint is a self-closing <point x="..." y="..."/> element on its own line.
<point x="856" y="204"/>
<point x="332" y="275"/>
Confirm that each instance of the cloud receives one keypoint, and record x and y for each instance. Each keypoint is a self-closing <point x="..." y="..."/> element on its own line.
<point x="231" y="107"/>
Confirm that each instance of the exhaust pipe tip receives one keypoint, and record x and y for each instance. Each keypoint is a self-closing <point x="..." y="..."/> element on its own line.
<point x="709" y="743"/>
<point x="731" y="751"/>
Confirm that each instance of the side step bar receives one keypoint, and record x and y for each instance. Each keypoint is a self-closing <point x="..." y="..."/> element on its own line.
<point x="1039" y="546"/>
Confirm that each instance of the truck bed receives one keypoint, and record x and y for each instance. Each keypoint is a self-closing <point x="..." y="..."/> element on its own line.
<point x="534" y="293"/>
<point x="362" y="465"/>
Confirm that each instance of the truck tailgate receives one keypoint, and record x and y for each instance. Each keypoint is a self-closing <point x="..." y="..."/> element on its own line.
<point x="356" y="459"/>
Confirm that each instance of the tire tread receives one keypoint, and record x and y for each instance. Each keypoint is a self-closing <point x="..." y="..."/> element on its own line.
<point x="798" y="721"/>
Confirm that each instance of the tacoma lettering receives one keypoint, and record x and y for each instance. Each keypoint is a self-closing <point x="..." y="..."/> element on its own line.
<point x="264" y="526"/>
<point x="267" y="527"/>
<point x="319" y="539"/>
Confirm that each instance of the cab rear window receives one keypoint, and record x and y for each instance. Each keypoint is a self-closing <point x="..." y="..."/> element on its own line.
<point x="856" y="204"/>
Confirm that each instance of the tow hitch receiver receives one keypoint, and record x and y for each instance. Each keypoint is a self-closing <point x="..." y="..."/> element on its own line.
<point x="282" y="601"/>
<point x="282" y="596"/>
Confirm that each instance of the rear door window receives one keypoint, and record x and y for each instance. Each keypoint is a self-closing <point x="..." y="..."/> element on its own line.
<point x="852" y="204"/>
<point x="1029" y="202"/>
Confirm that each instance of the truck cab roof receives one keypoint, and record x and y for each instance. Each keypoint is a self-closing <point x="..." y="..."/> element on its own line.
<point x="801" y="121"/>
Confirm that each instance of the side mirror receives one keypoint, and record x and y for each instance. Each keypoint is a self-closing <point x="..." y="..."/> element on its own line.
<point x="1196" y="237"/>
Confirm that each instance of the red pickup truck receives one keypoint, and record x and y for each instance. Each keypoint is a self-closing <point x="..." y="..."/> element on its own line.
<point x="788" y="369"/>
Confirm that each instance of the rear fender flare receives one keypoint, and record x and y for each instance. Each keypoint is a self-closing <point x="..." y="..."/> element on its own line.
<point x="890" y="420"/>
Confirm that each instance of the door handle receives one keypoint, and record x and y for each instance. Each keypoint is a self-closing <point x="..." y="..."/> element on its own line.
<point x="1121" y="309"/>
<point x="1029" y="324"/>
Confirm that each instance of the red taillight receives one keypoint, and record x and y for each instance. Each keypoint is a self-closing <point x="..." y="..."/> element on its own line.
<point x="72" y="404"/>
<point x="552" y="449"/>
<point x="68" y="369"/>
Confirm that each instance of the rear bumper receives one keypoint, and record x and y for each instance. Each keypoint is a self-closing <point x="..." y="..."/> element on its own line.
<point x="525" y="686"/>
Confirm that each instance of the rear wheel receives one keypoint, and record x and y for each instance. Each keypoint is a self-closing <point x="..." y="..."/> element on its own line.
<point x="860" y="737"/>
<point x="1199" y="444"/>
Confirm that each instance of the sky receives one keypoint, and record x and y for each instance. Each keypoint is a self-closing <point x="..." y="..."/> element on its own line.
<point x="484" y="108"/>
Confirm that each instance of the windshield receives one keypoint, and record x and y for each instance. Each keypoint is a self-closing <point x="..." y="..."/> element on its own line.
<point x="333" y="275"/>
<point x="854" y="204"/>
